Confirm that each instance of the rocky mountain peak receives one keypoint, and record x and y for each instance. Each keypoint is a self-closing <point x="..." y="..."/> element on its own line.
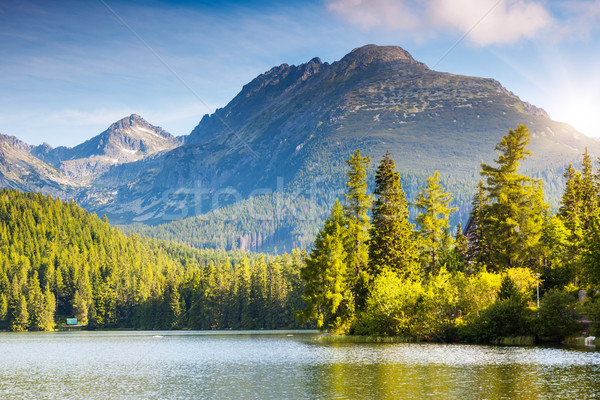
<point x="372" y="53"/>
<point x="135" y="122"/>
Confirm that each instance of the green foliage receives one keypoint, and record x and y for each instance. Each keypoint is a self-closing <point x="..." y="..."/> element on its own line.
<point x="478" y="253"/>
<point x="433" y="223"/>
<point x="356" y="208"/>
<point x="513" y="220"/>
<point x="559" y="268"/>
<point x="58" y="261"/>
<point x="392" y="245"/>
<point x="392" y="308"/>
<point x="505" y="318"/>
<point x="327" y="292"/>
<point x="457" y="260"/>
<point x="557" y="318"/>
<point x="590" y="259"/>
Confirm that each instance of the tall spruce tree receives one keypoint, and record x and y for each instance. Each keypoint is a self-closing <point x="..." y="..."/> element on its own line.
<point x="392" y="245"/>
<point x="459" y="252"/>
<point x="356" y="209"/>
<point x="478" y="253"/>
<point x="570" y="203"/>
<point x="327" y="293"/>
<point x="433" y="222"/>
<point x="514" y="217"/>
<point x="589" y="190"/>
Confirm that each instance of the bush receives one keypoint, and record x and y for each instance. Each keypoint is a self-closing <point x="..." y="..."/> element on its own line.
<point x="557" y="317"/>
<point x="504" y="318"/>
<point x="393" y="308"/>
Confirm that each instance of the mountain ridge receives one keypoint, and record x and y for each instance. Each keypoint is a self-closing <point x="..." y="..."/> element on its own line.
<point x="289" y="130"/>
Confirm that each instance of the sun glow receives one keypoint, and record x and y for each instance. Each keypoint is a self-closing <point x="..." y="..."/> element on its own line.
<point x="582" y="112"/>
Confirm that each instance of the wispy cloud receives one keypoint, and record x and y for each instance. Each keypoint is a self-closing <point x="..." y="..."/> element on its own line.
<point x="87" y="117"/>
<point x="387" y="14"/>
<point x="483" y="22"/>
<point x="490" y="21"/>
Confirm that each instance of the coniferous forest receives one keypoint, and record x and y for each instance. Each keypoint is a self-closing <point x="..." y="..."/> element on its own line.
<point x="59" y="261"/>
<point x="385" y="276"/>
<point x="370" y="271"/>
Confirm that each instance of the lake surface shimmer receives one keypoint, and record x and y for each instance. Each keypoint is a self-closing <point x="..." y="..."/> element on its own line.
<point x="281" y="365"/>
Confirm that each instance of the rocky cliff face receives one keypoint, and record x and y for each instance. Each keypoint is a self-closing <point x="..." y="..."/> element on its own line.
<point x="19" y="169"/>
<point x="127" y="140"/>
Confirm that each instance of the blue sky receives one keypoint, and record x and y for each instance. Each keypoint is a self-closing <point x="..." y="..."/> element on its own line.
<point x="69" y="69"/>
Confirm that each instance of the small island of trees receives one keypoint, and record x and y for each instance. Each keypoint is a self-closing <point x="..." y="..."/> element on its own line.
<point x="385" y="276"/>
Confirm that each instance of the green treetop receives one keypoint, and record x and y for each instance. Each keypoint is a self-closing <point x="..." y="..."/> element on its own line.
<point x="392" y="245"/>
<point x="478" y="252"/>
<point x="327" y="292"/>
<point x="514" y="217"/>
<point x="433" y="222"/>
<point x="356" y="209"/>
<point x="589" y="190"/>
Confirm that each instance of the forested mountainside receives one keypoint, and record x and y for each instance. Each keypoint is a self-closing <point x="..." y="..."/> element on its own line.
<point x="58" y="260"/>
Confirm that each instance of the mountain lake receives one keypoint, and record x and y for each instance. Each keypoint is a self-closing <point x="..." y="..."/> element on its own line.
<point x="282" y="365"/>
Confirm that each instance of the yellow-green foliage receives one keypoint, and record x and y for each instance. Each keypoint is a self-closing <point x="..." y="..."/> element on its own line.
<point x="478" y="292"/>
<point x="524" y="279"/>
<point x="393" y="307"/>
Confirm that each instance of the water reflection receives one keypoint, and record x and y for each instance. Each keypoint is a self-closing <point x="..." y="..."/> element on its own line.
<point x="272" y="365"/>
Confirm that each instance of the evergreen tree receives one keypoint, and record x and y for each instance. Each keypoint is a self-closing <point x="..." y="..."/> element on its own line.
<point x="392" y="245"/>
<point x="478" y="252"/>
<point x="47" y="316"/>
<point x="174" y="306"/>
<point x="327" y="291"/>
<point x="356" y="210"/>
<point x="433" y="223"/>
<point x="3" y="310"/>
<point x="589" y="190"/>
<point x="35" y="304"/>
<point x="19" y="316"/>
<point x="459" y="253"/>
<point x="571" y="202"/>
<point x="514" y="218"/>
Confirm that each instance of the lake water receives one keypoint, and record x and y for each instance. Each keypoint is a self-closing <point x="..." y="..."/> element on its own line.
<point x="281" y="365"/>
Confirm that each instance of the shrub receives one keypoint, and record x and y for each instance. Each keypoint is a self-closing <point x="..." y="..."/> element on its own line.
<point x="557" y="317"/>
<point x="508" y="317"/>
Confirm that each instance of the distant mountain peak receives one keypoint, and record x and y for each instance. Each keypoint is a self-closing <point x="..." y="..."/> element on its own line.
<point x="124" y="126"/>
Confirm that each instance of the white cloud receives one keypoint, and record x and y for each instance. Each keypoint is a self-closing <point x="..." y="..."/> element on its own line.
<point x="367" y="14"/>
<point x="484" y="21"/>
<point x="491" y="21"/>
<point x="581" y="19"/>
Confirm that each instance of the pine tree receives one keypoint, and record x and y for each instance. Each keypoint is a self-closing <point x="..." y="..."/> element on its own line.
<point x="18" y="315"/>
<point x="392" y="245"/>
<point x="47" y="316"/>
<point x="571" y="202"/>
<point x="589" y="191"/>
<point x="514" y="218"/>
<point x="3" y="310"/>
<point x="35" y="303"/>
<point x="356" y="209"/>
<point x="174" y="311"/>
<point x="327" y="291"/>
<point x="478" y="252"/>
<point x="461" y="247"/>
<point x="433" y="222"/>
